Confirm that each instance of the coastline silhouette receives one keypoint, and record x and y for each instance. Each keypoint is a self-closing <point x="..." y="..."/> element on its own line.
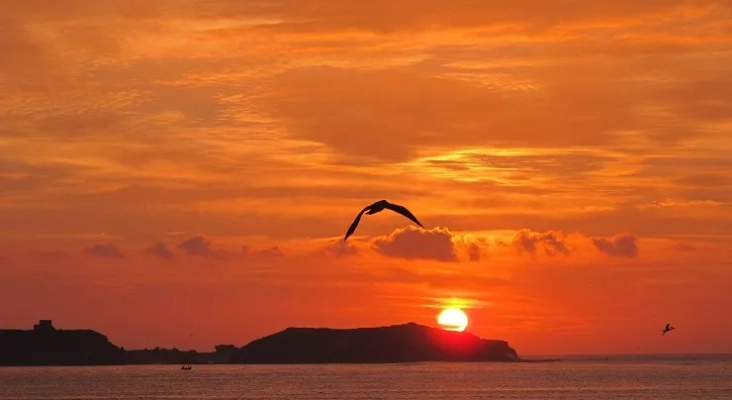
<point x="411" y="342"/>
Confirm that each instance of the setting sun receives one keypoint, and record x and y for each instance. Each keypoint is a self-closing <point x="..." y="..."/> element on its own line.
<point x="453" y="319"/>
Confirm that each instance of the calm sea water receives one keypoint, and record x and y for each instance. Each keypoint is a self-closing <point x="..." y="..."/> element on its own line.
<point x="668" y="378"/>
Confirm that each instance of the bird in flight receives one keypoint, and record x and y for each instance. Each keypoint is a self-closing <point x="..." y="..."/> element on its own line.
<point x="668" y="328"/>
<point x="378" y="207"/>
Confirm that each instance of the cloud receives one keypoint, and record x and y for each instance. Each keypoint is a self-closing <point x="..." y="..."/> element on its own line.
<point x="408" y="109"/>
<point x="705" y="180"/>
<point x="684" y="247"/>
<point x="428" y="94"/>
<point x="413" y="243"/>
<point x="619" y="246"/>
<point x="199" y="246"/>
<point x="384" y="17"/>
<point x="559" y="164"/>
<point x="160" y="250"/>
<point x="273" y="251"/>
<point x="474" y="253"/>
<point x="552" y="243"/>
<point x="339" y="248"/>
<point x="108" y="250"/>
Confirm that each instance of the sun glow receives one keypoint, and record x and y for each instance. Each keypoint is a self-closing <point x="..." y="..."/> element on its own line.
<point x="453" y="319"/>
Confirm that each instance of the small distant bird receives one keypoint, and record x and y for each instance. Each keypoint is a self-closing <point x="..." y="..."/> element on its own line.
<point x="378" y="207"/>
<point x="668" y="328"/>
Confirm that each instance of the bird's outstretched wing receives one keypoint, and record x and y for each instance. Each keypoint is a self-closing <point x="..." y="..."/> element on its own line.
<point x="403" y="211"/>
<point x="353" y="226"/>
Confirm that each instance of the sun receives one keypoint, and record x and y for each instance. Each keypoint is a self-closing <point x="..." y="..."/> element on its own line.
<point x="453" y="319"/>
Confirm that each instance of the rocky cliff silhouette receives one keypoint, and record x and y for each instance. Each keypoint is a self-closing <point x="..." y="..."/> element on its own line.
<point x="398" y="343"/>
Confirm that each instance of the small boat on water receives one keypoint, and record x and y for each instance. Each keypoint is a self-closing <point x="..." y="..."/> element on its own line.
<point x="186" y="367"/>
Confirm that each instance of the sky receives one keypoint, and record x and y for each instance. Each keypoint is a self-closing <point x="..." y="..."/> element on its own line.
<point x="182" y="172"/>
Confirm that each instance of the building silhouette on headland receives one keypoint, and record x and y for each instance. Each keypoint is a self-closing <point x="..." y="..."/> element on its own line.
<point x="44" y="325"/>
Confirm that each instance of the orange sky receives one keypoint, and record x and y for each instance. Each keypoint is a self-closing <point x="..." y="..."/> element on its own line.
<point x="180" y="172"/>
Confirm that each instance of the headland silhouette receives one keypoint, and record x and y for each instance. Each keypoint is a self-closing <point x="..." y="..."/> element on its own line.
<point x="389" y="344"/>
<point x="45" y="345"/>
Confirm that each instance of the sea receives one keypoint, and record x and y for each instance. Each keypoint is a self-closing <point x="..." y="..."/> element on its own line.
<point x="585" y="378"/>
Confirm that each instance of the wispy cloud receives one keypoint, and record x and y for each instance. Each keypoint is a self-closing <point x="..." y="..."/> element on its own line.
<point x="619" y="246"/>
<point x="199" y="246"/>
<point x="107" y="250"/>
<point x="160" y="250"/>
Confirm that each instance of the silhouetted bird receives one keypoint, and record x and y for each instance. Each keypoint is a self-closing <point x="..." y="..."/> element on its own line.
<point x="668" y="328"/>
<point x="378" y="207"/>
